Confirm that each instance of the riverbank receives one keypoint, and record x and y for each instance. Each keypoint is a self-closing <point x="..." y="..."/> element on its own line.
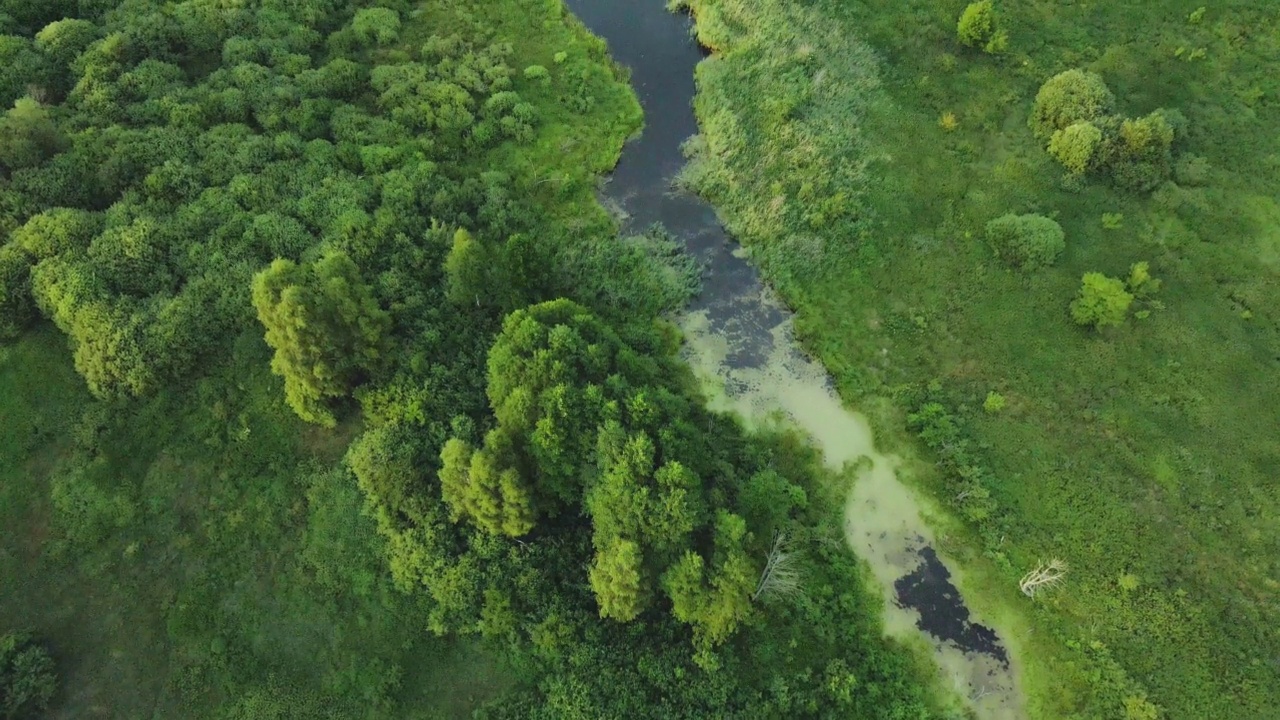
<point x="740" y="340"/>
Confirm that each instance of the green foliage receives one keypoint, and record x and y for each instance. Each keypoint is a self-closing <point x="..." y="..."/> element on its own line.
<point x="1143" y="157"/>
<point x="979" y="27"/>
<point x="1068" y="98"/>
<point x="27" y="679"/>
<point x="1140" y="282"/>
<point x="1103" y="302"/>
<point x="615" y="580"/>
<point x="325" y="326"/>
<point x="478" y="488"/>
<point x="994" y="402"/>
<point x="1027" y="242"/>
<point x="469" y="270"/>
<point x="1076" y="146"/>
<point x="88" y="511"/>
<point x="28" y="135"/>
<point x="376" y="26"/>
<point x="56" y="231"/>
<point x="16" y="307"/>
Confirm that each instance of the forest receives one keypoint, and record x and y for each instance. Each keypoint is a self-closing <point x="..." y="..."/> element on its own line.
<point x="329" y="389"/>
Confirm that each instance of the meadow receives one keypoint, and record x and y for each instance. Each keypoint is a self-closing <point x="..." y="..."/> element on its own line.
<point x="859" y="151"/>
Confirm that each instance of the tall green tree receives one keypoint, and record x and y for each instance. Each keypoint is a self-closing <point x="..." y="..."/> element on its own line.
<point x="325" y="326"/>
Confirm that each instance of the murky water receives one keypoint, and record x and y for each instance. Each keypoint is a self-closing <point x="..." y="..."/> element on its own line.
<point x="739" y="338"/>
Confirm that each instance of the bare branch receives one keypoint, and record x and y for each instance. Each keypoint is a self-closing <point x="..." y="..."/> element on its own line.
<point x="781" y="576"/>
<point x="1043" y="577"/>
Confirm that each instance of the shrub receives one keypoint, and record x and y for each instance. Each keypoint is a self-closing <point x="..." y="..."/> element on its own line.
<point x="979" y="27"/>
<point x="1142" y="158"/>
<point x="1068" y="98"/>
<point x="1076" y="146"/>
<point x="994" y="402"/>
<point x="538" y="73"/>
<point x="1103" y="301"/>
<point x="1029" y="242"/>
<point x="27" y="680"/>
<point x="1140" y="283"/>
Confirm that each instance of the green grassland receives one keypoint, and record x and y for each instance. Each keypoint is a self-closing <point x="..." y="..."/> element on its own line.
<point x="858" y="150"/>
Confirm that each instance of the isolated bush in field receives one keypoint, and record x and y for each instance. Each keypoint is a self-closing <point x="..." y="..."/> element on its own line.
<point x="1140" y="282"/>
<point x="538" y="73"/>
<point x="979" y="27"/>
<point x="27" y="679"/>
<point x="1068" y="98"/>
<point x="1076" y="146"/>
<point x="376" y="26"/>
<point x="1103" y="301"/>
<point x="1029" y="242"/>
<point x="994" y="402"/>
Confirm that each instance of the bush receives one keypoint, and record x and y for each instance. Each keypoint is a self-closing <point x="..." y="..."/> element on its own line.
<point x="1103" y="302"/>
<point x="1028" y="242"/>
<point x="1076" y="146"/>
<point x="27" y="680"/>
<point x="1068" y="98"/>
<point x="1143" y="158"/>
<point x="979" y="27"/>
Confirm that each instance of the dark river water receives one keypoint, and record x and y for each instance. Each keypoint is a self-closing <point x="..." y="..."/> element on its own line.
<point x="741" y="337"/>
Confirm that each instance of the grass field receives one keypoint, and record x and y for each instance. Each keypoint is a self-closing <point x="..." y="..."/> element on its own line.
<point x="858" y="150"/>
<point x="180" y="571"/>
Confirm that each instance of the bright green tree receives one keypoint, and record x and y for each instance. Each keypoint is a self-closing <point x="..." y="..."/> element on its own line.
<point x="1143" y="157"/>
<point x="1140" y="282"/>
<point x="979" y="27"/>
<point x="1103" y="302"/>
<point x="28" y="135"/>
<point x="1076" y="146"/>
<point x="468" y="270"/>
<point x="715" y="597"/>
<point x="56" y="231"/>
<point x="1068" y="98"/>
<point x="615" y="578"/>
<point x="325" y="327"/>
<point x="376" y="26"/>
<point x="479" y="488"/>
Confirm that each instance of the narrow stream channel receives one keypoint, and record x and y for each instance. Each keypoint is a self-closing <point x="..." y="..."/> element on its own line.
<point x="739" y="338"/>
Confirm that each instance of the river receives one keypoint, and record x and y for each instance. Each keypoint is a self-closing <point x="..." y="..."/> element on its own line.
<point x="739" y="339"/>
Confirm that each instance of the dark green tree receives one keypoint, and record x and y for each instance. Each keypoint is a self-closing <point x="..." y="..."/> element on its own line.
<point x="27" y="679"/>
